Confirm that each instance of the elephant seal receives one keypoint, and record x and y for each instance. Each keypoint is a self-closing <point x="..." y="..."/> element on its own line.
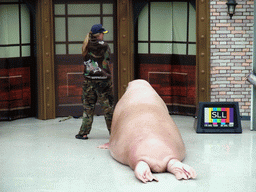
<point x="145" y="137"/>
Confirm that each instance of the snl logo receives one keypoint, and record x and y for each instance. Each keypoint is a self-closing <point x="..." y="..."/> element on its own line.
<point x="219" y="114"/>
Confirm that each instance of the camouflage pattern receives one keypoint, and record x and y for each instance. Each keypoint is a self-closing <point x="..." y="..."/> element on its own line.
<point x="93" y="91"/>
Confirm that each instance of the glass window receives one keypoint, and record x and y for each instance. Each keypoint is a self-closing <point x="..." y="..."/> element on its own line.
<point x="161" y="22"/>
<point x="107" y="8"/>
<point x="2" y="52"/>
<point x="26" y="51"/>
<point x="3" y="22"/>
<point x="143" y="25"/>
<point x="192" y="23"/>
<point x="80" y="9"/>
<point x="111" y="46"/>
<point x="108" y="25"/>
<point x="161" y="48"/>
<point x="59" y="9"/>
<point x="13" y="51"/>
<point x="143" y="48"/>
<point x="15" y="30"/>
<point x="9" y="17"/>
<point x="192" y="49"/>
<point x="74" y="48"/>
<point x="78" y="22"/>
<point x="169" y="28"/>
<point x="180" y="21"/>
<point x="60" y="49"/>
<point x="78" y="27"/>
<point x="179" y="49"/>
<point x="25" y="24"/>
<point x="60" y="26"/>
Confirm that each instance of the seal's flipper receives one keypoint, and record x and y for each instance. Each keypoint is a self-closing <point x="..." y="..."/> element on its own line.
<point x="181" y="170"/>
<point x="104" y="146"/>
<point x="143" y="173"/>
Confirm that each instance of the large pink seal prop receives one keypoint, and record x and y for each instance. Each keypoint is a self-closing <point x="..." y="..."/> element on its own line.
<point x="144" y="136"/>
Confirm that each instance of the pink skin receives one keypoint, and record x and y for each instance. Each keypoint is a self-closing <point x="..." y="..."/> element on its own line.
<point x="101" y="36"/>
<point x="104" y="146"/>
<point x="144" y="136"/>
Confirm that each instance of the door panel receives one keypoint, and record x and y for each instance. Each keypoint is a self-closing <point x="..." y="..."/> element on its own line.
<point x="73" y="20"/>
<point x="166" y="52"/>
<point x="17" y="62"/>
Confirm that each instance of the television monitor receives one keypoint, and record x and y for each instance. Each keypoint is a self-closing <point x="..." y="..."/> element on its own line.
<point x="218" y="117"/>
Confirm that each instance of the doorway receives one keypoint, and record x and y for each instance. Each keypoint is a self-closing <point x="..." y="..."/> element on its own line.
<point x="17" y="60"/>
<point x="165" y="51"/>
<point x="72" y="21"/>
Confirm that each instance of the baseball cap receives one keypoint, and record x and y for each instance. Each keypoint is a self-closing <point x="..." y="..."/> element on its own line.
<point x="98" y="28"/>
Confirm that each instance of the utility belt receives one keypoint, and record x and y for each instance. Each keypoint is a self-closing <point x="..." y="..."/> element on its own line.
<point x="96" y="77"/>
<point x="93" y="71"/>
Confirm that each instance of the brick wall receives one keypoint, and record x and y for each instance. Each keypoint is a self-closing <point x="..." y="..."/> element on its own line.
<point x="231" y="53"/>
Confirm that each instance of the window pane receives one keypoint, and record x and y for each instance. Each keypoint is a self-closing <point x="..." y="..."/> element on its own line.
<point x="75" y="49"/>
<point x="60" y="49"/>
<point x="192" y="49"/>
<point x="26" y="51"/>
<point x="179" y="21"/>
<point x="111" y="46"/>
<point x="192" y="23"/>
<point x="107" y="8"/>
<point x="3" y="22"/>
<point x="77" y="9"/>
<point x="80" y="26"/>
<point x="13" y="51"/>
<point x="161" y="48"/>
<point x="59" y="9"/>
<point x="179" y="49"/>
<point x="60" y="29"/>
<point x="9" y="22"/>
<point x="161" y="21"/>
<point x="3" y="52"/>
<point x="143" y="25"/>
<point x="143" y="48"/>
<point x="108" y="25"/>
<point x="25" y="24"/>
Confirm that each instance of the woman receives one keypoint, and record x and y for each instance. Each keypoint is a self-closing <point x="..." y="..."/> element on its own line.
<point x="97" y="84"/>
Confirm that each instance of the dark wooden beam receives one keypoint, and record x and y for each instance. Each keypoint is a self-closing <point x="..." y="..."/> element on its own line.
<point x="203" y="50"/>
<point x="45" y="60"/>
<point x="125" y="44"/>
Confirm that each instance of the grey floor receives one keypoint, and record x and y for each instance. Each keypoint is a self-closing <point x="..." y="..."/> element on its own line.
<point x="41" y="155"/>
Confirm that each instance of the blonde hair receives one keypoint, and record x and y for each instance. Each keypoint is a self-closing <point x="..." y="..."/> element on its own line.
<point x="88" y="37"/>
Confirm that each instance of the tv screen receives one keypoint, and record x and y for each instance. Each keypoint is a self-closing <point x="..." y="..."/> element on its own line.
<point x="218" y="117"/>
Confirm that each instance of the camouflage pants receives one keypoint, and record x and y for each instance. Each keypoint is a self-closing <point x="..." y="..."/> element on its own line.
<point x="93" y="91"/>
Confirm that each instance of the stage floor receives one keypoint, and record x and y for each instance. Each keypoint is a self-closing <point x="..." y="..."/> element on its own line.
<point x="39" y="155"/>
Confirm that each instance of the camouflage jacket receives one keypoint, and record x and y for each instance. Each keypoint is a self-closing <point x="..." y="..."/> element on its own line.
<point x="96" y="62"/>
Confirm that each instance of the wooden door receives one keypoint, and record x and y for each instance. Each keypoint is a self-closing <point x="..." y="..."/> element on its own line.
<point x="166" y="51"/>
<point x="72" y="21"/>
<point x="17" y="61"/>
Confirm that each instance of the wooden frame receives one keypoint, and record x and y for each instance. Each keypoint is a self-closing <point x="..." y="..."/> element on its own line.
<point x="45" y="60"/>
<point x="45" y="52"/>
<point x="203" y="50"/>
<point x="125" y="44"/>
<point x="125" y="47"/>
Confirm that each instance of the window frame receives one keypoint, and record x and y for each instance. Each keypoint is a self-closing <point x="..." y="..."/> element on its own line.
<point x="66" y="16"/>
<point x="20" y="44"/>
<point x="149" y="42"/>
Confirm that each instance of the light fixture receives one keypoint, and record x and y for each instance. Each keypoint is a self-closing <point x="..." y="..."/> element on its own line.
<point x="231" y="7"/>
